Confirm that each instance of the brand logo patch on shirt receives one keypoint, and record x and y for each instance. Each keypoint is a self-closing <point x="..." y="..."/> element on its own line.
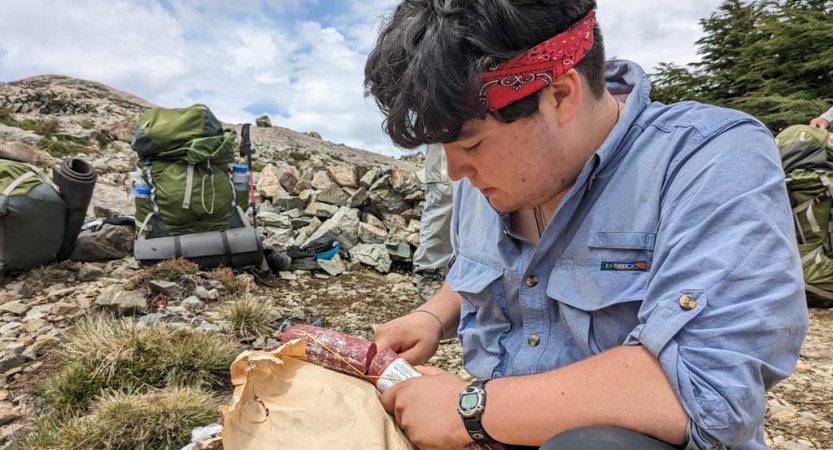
<point x="641" y="266"/>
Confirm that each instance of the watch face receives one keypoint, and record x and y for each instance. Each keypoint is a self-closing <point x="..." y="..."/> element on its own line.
<point x="468" y="401"/>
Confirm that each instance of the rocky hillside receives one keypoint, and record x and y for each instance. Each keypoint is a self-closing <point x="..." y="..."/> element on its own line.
<point x="57" y="355"/>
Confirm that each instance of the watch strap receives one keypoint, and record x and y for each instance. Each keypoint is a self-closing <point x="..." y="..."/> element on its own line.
<point x="473" y="425"/>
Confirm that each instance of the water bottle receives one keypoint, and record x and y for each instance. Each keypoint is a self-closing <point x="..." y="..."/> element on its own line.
<point x="141" y="196"/>
<point x="240" y="177"/>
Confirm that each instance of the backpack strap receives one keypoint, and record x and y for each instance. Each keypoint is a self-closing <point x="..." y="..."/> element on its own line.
<point x="17" y="182"/>
<point x="189" y="186"/>
<point x="820" y="292"/>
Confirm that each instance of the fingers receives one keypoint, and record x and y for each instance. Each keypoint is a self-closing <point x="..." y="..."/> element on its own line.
<point x="389" y="399"/>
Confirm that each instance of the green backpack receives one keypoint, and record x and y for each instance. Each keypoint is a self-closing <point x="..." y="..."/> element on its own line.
<point x="807" y="159"/>
<point x="32" y="216"/>
<point x="185" y="157"/>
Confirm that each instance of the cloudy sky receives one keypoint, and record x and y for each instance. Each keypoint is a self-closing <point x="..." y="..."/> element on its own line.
<point x="299" y="61"/>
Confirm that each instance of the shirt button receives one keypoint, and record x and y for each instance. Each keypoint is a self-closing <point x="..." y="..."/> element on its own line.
<point x="534" y="340"/>
<point x="688" y="302"/>
<point x="532" y="281"/>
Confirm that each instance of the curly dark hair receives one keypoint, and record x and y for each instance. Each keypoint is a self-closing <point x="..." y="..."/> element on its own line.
<point x="424" y="72"/>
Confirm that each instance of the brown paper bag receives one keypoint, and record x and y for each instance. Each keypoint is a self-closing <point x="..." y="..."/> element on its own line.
<point x="284" y="403"/>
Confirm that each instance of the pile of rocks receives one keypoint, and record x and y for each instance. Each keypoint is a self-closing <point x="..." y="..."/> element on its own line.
<point x="44" y="102"/>
<point x="372" y="211"/>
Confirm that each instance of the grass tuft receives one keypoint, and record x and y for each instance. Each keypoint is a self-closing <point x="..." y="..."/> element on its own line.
<point x="250" y="317"/>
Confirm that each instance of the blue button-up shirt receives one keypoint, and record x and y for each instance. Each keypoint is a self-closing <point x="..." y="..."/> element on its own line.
<point x="677" y="236"/>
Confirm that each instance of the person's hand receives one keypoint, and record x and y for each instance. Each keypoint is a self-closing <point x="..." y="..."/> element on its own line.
<point x="820" y="122"/>
<point x="426" y="409"/>
<point x="414" y="337"/>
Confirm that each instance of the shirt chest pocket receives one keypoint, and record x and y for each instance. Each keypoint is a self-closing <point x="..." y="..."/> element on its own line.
<point x="601" y="287"/>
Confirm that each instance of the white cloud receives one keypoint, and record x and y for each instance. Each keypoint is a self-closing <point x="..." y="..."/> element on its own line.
<point x="246" y="57"/>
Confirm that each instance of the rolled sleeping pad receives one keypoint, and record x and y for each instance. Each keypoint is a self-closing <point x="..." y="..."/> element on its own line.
<point x="76" y="179"/>
<point x="237" y="247"/>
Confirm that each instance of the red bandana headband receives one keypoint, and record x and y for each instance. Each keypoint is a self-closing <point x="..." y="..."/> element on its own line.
<point x="537" y="67"/>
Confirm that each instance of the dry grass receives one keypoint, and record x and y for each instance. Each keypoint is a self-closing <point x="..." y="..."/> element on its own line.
<point x="250" y="317"/>
<point x="102" y="354"/>
<point x="234" y="286"/>
<point x="179" y="271"/>
<point x="157" y="420"/>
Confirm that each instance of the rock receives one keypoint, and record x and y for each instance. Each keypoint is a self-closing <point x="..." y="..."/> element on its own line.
<point x="193" y="304"/>
<point x="381" y="183"/>
<point x="313" y="134"/>
<point x="345" y="176"/>
<point x="334" y="267"/>
<point x="64" y="309"/>
<point x="370" y="177"/>
<point x="168" y="288"/>
<point x="288" y="203"/>
<point x="329" y="191"/>
<point x="372" y="235"/>
<point x="343" y="226"/>
<point x="334" y="195"/>
<point x="44" y="344"/>
<point x="417" y="196"/>
<point x="300" y="222"/>
<point x="263" y="121"/>
<point x="411" y="215"/>
<point x="90" y="272"/>
<point x="18" y="151"/>
<point x="124" y="302"/>
<point x="202" y="293"/>
<point x="288" y="177"/>
<point x="121" y="130"/>
<point x="413" y="239"/>
<point x="358" y="198"/>
<point x="150" y="319"/>
<point x="269" y="185"/>
<point x="288" y="276"/>
<point x="17" y="307"/>
<point x="10" y="328"/>
<point x="322" y="210"/>
<point x="7" y="414"/>
<point x="404" y="181"/>
<point x="22" y="289"/>
<point x="372" y="220"/>
<point x="12" y="134"/>
<point x="395" y="222"/>
<point x="796" y="446"/>
<point x="109" y="242"/>
<point x="388" y="202"/>
<point x="274" y="220"/>
<point x="11" y="362"/>
<point x="399" y="251"/>
<point x="373" y="255"/>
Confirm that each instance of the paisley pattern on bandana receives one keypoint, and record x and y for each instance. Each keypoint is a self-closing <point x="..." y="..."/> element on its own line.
<point x="537" y="67"/>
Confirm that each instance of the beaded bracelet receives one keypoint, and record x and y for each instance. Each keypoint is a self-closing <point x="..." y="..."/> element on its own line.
<point x="436" y="316"/>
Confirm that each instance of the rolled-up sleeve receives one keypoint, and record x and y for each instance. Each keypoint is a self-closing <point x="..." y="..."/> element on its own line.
<point x="725" y="311"/>
<point x="828" y="116"/>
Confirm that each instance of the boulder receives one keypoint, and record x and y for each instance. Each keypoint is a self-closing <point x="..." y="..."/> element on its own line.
<point x="17" y="307"/>
<point x="288" y="203"/>
<point x="263" y="121"/>
<point x="358" y="198"/>
<point x="344" y="226"/>
<point x="334" y="195"/>
<point x="269" y="184"/>
<point x="313" y="134"/>
<point x="381" y="183"/>
<point x="372" y="235"/>
<point x="271" y="219"/>
<point x="388" y="202"/>
<point x="90" y="272"/>
<point x="345" y="176"/>
<point x="288" y="176"/>
<point x="370" y="177"/>
<point x="404" y="181"/>
<point x="13" y="134"/>
<point x="372" y="220"/>
<point x="334" y="267"/>
<point x="399" y="250"/>
<point x="373" y="255"/>
<point x="316" y="209"/>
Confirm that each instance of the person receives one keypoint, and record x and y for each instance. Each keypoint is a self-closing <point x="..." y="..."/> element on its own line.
<point x="823" y="121"/>
<point x="434" y="251"/>
<point x="625" y="275"/>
